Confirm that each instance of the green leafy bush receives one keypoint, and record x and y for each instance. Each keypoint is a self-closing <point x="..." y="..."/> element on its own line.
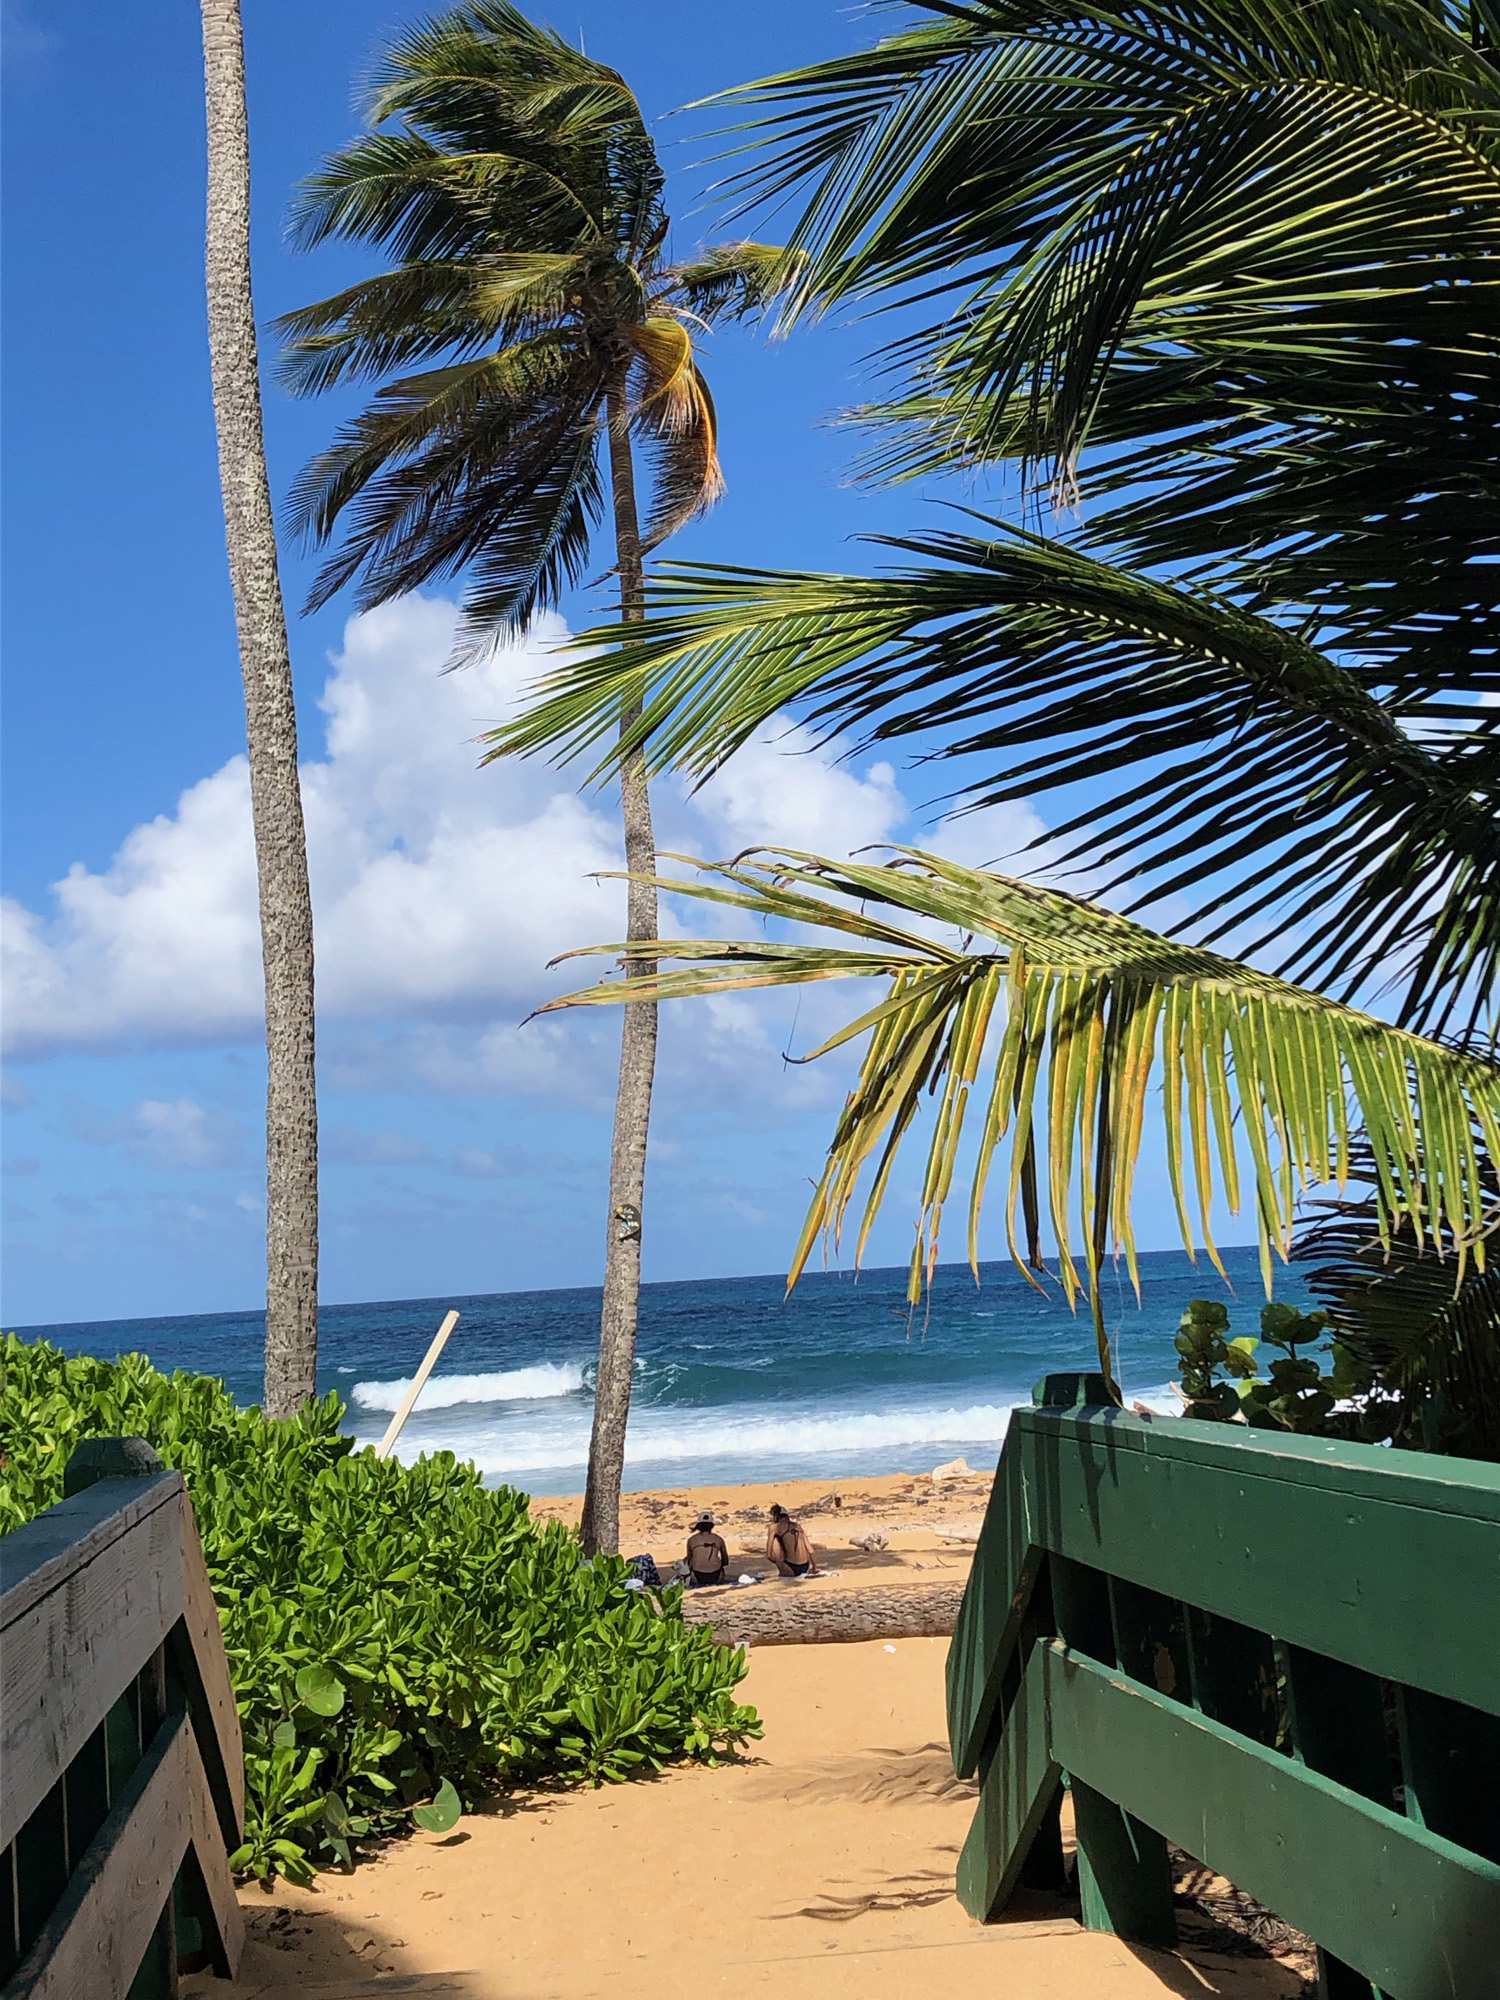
<point x="1293" y="1395"/>
<point x="401" y="1638"/>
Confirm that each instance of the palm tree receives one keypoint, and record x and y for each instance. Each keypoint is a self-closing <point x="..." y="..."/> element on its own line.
<point x="1224" y="276"/>
<point x="1230" y="272"/>
<point x="516" y="184"/>
<point x="286" y="927"/>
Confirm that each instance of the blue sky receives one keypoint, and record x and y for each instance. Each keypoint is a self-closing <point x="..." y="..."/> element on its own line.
<point x="461" y="1152"/>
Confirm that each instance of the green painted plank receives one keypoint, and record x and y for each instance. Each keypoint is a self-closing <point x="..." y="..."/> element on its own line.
<point x="1411" y="1911"/>
<point x="990" y="1618"/>
<point x="1124" y="1873"/>
<point x="1398" y="1589"/>
<point x="1421" y="1479"/>
<point x="1019" y="1785"/>
<point x="1351" y="1551"/>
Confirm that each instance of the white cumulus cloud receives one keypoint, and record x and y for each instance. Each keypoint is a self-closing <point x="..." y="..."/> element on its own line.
<point x="440" y="890"/>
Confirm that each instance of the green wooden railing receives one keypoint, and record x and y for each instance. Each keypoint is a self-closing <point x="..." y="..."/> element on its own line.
<point x="1280" y="1653"/>
<point x="121" y="1770"/>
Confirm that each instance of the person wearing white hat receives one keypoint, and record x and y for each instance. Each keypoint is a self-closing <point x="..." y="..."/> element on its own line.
<point x="707" y="1553"/>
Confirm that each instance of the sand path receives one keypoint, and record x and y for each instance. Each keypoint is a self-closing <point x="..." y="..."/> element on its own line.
<point x="818" y="1868"/>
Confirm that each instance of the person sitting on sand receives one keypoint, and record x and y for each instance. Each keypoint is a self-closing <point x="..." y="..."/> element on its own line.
<point x="788" y="1546"/>
<point x="707" y="1553"/>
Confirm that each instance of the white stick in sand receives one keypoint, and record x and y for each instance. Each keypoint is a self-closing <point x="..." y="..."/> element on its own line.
<point x="418" y="1384"/>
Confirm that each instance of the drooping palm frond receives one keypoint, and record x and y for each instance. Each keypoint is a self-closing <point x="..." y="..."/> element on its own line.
<point x="1076" y="1011"/>
<point x="673" y="415"/>
<point x="1226" y="755"/>
<point x="489" y="466"/>
<point x="1431" y="1338"/>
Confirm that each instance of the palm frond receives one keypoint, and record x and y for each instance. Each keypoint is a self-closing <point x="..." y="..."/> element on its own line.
<point x="733" y="280"/>
<point x="418" y="312"/>
<point x="491" y="463"/>
<point x="1155" y="210"/>
<point x="1075" y="1011"/>
<point x="1226" y="755"/>
<point x="1432" y="1340"/>
<point x="487" y="83"/>
<point x="673" y="414"/>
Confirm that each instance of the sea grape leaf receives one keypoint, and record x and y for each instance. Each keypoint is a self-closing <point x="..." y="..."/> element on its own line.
<point x="320" y="1689"/>
<point x="442" y="1813"/>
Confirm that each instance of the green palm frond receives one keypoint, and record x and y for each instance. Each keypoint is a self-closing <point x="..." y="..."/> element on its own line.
<point x="1075" y="1011"/>
<point x="1236" y="261"/>
<point x="1225" y="755"/>
<point x="412" y="314"/>
<point x="731" y="280"/>
<point x="488" y="466"/>
<point x="990" y="135"/>
<point x="1433" y="1343"/>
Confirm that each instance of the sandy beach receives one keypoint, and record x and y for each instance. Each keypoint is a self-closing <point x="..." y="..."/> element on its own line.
<point x="928" y="1526"/>
<point x="818" y="1866"/>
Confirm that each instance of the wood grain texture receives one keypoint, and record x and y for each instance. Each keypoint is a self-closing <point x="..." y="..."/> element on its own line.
<point x="97" y="1935"/>
<point x="224" y="1758"/>
<point x="772" y="1617"/>
<point x="94" y="1587"/>
<point x="111" y="1599"/>
<point x="38" y="1556"/>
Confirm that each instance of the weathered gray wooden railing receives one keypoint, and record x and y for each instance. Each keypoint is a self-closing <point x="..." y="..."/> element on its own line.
<point x="1280" y="1653"/>
<point x="122" y="1782"/>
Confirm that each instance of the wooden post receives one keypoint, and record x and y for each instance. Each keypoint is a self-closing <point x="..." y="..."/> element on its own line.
<point x="1234" y="1676"/>
<point x="1124" y="1881"/>
<point x="418" y="1384"/>
<point x="1151" y="1638"/>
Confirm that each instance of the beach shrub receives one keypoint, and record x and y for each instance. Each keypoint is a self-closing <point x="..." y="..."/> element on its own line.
<point x="1294" y="1394"/>
<point x="402" y="1639"/>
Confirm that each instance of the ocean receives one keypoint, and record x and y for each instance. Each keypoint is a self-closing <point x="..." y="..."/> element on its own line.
<point x="734" y="1381"/>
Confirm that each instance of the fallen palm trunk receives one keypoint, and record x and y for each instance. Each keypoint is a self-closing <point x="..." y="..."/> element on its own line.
<point x="781" y="1617"/>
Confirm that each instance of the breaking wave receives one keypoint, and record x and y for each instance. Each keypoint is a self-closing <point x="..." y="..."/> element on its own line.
<point x="446" y="1392"/>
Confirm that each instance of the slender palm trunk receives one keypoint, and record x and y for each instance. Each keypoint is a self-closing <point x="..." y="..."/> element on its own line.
<point x="627" y="1162"/>
<point x="271" y="728"/>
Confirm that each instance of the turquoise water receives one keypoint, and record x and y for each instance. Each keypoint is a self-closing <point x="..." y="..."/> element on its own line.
<point x="733" y="1380"/>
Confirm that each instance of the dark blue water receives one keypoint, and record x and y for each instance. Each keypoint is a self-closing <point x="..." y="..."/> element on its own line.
<point x="734" y="1381"/>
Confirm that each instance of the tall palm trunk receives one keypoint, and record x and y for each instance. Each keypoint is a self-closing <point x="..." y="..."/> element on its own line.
<point x="271" y="727"/>
<point x="627" y="1160"/>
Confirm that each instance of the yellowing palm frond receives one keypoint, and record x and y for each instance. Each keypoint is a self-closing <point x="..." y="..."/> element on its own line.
<point x="1071" y="1013"/>
<point x="673" y="412"/>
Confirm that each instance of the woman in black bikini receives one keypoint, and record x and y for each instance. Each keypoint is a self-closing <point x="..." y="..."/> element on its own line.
<point x="787" y="1545"/>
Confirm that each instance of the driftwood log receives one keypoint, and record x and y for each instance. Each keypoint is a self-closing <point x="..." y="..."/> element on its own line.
<point x="772" y="1616"/>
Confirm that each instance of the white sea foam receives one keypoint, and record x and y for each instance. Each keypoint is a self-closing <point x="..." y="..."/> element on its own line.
<point x="679" y="1436"/>
<point x="445" y="1392"/>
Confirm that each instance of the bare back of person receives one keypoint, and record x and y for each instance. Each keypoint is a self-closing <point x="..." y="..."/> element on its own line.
<point x="788" y="1546"/>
